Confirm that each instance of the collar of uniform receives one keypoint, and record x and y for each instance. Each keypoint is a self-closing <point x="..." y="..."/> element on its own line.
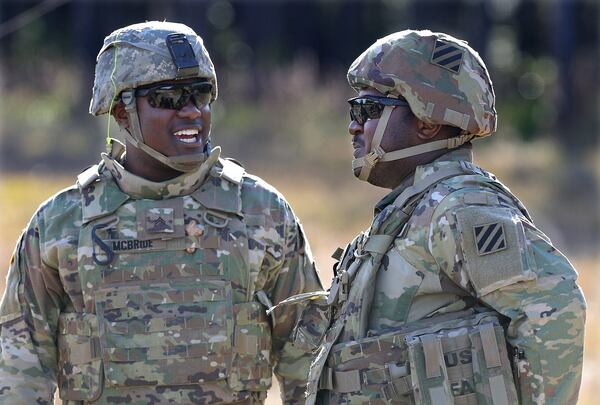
<point x="222" y="191"/>
<point x="452" y="158"/>
<point x="138" y="187"/>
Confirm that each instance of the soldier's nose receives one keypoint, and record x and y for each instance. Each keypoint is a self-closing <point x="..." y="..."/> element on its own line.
<point x="190" y="111"/>
<point x="354" y="128"/>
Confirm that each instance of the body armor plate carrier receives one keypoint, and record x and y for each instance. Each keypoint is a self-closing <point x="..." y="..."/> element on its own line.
<point x="164" y="304"/>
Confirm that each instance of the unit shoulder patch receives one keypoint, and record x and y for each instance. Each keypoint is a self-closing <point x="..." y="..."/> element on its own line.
<point x="489" y="238"/>
<point x="494" y="249"/>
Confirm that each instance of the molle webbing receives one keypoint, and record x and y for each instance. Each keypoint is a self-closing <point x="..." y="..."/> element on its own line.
<point x="453" y="358"/>
<point x="75" y="324"/>
<point x="357" y="380"/>
<point x="433" y="356"/>
<point x="470" y="366"/>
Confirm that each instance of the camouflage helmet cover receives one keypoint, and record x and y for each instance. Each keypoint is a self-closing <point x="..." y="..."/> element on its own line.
<point x="142" y="58"/>
<point x="443" y="79"/>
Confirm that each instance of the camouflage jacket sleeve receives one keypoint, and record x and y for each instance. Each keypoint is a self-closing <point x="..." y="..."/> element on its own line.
<point x="28" y="321"/>
<point x="291" y="271"/>
<point x="493" y="252"/>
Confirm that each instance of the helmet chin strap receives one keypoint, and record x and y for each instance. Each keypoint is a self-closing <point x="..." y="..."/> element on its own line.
<point x="183" y="163"/>
<point x="377" y="154"/>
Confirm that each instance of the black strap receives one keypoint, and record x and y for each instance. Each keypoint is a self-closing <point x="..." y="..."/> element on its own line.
<point x="103" y="246"/>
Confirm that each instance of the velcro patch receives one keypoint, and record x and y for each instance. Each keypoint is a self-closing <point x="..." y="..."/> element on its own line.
<point x="484" y="230"/>
<point x="489" y="238"/>
<point x="159" y="220"/>
<point x="447" y="55"/>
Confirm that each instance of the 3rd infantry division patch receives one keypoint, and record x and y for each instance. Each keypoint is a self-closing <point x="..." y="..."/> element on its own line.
<point x="489" y="238"/>
<point x="447" y="55"/>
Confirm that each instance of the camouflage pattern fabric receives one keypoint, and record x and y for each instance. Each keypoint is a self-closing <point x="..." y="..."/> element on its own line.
<point x="142" y="58"/>
<point x="468" y="242"/>
<point x="443" y="79"/>
<point x="129" y="291"/>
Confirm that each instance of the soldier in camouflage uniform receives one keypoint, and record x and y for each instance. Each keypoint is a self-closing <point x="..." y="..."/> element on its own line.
<point x="452" y="296"/>
<point x="148" y="280"/>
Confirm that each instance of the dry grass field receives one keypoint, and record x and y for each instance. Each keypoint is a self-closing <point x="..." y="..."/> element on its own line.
<point x="327" y="222"/>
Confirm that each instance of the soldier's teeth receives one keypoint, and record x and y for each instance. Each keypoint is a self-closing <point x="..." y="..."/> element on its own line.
<point x="184" y="132"/>
<point x="187" y="135"/>
<point x="188" y="140"/>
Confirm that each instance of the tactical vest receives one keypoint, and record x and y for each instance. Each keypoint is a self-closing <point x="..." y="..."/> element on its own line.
<point x="456" y="358"/>
<point x="168" y="293"/>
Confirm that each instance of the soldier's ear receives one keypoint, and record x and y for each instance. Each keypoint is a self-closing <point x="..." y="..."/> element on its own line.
<point x="120" y="115"/>
<point x="427" y="131"/>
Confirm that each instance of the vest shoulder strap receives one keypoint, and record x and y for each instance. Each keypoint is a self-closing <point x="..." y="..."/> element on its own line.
<point x="88" y="176"/>
<point x="100" y="198"/>
<point x="215" y="195"/>
<point x="232" y="171"/>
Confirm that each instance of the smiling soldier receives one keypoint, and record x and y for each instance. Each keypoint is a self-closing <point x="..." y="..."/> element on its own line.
<point x="148" y="281"/>
<point x="452" y="296"/>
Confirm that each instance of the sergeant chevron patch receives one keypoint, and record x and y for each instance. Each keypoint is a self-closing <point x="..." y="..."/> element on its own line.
<point x="489" y="238"/>
<point x="447" y="55"/>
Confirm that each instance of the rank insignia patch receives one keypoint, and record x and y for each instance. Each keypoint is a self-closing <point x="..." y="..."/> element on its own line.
<point x="489" y="238"/>
<point x="447" y="55"/>
<point x="159" y="220"/>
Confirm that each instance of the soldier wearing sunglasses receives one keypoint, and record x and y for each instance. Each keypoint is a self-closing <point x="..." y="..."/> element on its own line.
<point x="453" y="295"/>
<point x="148" y="281"/>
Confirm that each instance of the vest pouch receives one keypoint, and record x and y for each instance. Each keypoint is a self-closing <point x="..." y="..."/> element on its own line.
<point x="79" y="364"/>
<point x="462" y="365"/>
<point x="173" y="333"/>
<point x="368" y="371"/>
<point x="428" y="372"/>
<point x="251" y="363"/>
<point x="492" y="371"/>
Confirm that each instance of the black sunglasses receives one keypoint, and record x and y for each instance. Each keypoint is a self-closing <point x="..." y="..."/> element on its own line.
<point x="176" y="96"/>
<point x="363" y="108"/>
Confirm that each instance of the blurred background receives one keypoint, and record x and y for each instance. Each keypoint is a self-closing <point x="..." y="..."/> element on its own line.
<point x="281" y="110"/>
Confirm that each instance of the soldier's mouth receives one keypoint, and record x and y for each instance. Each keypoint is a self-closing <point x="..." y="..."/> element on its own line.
<point x="357" y="149"/>
<point x="187" y="135"/>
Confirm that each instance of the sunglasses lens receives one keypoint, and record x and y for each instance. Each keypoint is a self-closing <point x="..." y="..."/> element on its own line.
<point x="363" y="109"/>
<point x="175" y="98"/>
<point x="201" y="99"/>
<point x="373" y="110"/>
<point x="202" y="93"/>
<point x="356" y="114"/>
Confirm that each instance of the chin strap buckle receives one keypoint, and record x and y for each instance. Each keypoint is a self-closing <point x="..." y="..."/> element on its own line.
<point x="373" y="157"/>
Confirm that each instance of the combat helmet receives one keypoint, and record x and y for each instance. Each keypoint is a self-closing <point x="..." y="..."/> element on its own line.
<point x="441" y="77"/>
<point x="138" y="55"/>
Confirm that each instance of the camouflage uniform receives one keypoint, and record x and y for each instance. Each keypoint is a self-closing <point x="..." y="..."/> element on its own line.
<point x="452" y="268"/>
<point x="123" y="290"/>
